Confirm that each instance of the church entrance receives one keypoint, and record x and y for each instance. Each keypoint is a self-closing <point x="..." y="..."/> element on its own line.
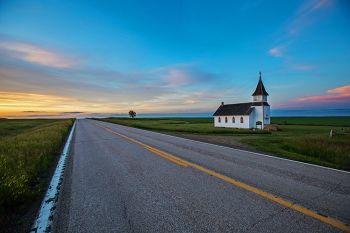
<point x="258" y="125"/>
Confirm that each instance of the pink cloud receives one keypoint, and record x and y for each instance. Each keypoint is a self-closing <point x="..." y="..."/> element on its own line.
<point x="35" y="54"/>
<point x="191" y="101"/>
<point x="338" y="94"/>
<point x="177" y="77"/>
<point x="276" y="51"/>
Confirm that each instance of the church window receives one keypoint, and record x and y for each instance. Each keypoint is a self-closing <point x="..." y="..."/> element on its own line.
<point x="225" y="119"/>
<point x="242" y="120"/>
<point x="219" y="119"/>
<point x="233" y="120"/>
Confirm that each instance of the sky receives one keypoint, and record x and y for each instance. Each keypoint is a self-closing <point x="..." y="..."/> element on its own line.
<point x="70" y="58"/>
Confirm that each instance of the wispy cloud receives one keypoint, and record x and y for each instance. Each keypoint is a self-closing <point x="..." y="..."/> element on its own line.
<point x="36" y="54"/>
<point x="336" y="97"/>
<point x="180" y="76"/>
<point x="191" y="101"/>
<point x="276" y="51"/>
<point x="177" y="77"/>
<point x="338" y="94"/>
<point x="174" y="88"/>
<point x="305" y="16"/>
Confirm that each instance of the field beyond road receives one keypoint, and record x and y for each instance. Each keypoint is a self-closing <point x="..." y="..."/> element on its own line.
<point x="28" y="150"/>
<point x="304" y="139"/>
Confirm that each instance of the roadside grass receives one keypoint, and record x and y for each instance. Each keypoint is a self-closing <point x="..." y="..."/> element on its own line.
<point x="26" y="155"/>
<point x="15" y="126"/>
<point x="311" y="144"/>
<point x="302" y="142"/>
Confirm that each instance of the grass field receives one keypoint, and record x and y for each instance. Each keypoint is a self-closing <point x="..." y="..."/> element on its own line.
<point x="16" y="126"/>
<point x="297" y="138"/>
<point x="331" y="121"/>
<point x="28" y="149"/>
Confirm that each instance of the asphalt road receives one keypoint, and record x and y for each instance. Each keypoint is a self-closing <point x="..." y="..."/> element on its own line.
<point x="115" y="184"/>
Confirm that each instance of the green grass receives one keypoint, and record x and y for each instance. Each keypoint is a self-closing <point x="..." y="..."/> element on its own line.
<point x="304" y="143"/>
<point x="299" y="139"/>
<point x="15" y="126"/>
<point x="331" y="121"/>
<point x="183" y="125"/>
<point x="26" y="154"/>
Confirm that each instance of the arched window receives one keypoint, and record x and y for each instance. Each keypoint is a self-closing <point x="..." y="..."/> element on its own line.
<point x="241" y="119"/>
<point x="225" y="119"/>
<point x="219" y="119"/>
<point x="233" y="120"/>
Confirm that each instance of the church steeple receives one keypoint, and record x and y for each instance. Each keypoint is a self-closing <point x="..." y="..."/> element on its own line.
<point x="260" y="89"/>
<point x="260" y="94"/>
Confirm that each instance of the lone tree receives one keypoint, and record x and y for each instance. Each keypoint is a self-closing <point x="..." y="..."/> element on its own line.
<point x="132" y="113"/>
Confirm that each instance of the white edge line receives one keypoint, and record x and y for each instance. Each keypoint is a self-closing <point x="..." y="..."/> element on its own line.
<point x="251" y="152"/>
<point x="44" y="219"/>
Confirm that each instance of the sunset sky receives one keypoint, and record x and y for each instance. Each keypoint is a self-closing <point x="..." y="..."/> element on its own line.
<point x="67" y="58"/>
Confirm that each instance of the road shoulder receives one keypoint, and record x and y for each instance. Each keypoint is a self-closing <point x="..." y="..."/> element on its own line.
<point x="62" y="212"/>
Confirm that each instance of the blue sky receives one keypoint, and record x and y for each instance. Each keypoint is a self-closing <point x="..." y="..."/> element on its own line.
<point x="58" y="57"/>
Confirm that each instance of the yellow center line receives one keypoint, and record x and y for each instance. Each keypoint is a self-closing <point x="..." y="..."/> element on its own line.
<point x="149" y="148"/>
<point x="182" y="162"/>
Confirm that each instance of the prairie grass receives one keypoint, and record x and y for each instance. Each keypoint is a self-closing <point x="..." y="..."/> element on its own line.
<point x="330" y="121"/>
<point x="15" y="126"/>
<point x="26" y="154"/>
<point x="334" y="150"/>
<point x="317" y="149"/>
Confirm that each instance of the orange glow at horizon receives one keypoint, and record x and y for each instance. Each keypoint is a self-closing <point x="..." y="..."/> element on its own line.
<point x="24" y="104"/>
<point x="20" y="104"/>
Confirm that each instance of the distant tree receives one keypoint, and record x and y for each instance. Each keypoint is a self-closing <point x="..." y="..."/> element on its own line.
<point x="132" y="113"/>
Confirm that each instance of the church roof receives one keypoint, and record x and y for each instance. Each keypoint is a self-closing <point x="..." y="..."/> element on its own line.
<point x="238" y="109"/>
<point x="234" y="109"/>
<point x="260" y="104"/>
<point x="260" y="89"/>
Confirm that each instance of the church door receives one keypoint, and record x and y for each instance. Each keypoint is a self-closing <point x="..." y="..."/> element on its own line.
<point x="259" y="125"/>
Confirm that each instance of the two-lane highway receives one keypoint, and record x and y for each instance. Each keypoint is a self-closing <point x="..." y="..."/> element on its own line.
<point x="122" y="179"/>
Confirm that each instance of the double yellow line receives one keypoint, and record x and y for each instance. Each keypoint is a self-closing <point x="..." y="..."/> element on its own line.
<point x="182" y="162"/>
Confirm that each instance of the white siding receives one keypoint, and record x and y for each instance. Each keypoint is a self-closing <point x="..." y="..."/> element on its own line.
<point x="251" y="120"/>
<point x="246" y="122"/>
<point x="258" y="115"/>
<point x="267" y="115"/>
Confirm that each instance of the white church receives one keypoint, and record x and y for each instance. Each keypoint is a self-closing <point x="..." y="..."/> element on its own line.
<point x="250" y="115"/>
